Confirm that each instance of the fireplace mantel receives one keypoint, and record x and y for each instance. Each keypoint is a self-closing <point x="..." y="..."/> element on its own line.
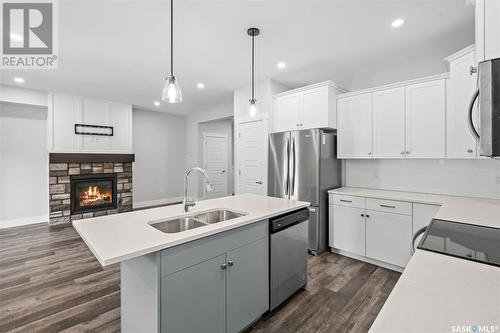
<point x="90" y="158"/>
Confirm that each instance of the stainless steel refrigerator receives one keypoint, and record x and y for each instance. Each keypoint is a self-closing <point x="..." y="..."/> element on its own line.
<point x="303" y="165"/>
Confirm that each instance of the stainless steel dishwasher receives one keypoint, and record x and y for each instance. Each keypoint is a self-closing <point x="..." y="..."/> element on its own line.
<point x="289" y="243"/>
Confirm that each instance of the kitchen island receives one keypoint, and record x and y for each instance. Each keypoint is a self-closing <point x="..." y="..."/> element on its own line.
<point x="212" y="278"/>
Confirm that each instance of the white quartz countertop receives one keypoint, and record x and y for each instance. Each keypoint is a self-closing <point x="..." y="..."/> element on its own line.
<point x="119" y="237"/>
<point x="460" y="209"/>
<point x="439" y="293"/>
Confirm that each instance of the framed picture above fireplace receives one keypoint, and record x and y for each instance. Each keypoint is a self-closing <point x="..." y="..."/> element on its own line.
<point x="94" y="192"/>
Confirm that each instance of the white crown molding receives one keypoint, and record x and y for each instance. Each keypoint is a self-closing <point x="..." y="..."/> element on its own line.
<point x="462" y="52"/>
<point x="332" y="84"/>
<point x="396" y="85"/>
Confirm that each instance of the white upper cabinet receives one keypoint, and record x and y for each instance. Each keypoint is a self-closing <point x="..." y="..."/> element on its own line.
<point x="487" y="22"/>
<point x="462" y="83"/>
<point x="402" y="120"/>
<point x="307" y="107"/>
<point x="389" y="123"/>
<point x="354" y="128"/>
<point x="315" y="109"/>
<point x="425" y="120"/>
<point x="286" y="112"/>
<point x="66" y="111"/>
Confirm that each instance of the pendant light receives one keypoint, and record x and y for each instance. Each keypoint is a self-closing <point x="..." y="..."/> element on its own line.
<point x="171" y="90"/>
<point x="252" y="110"/>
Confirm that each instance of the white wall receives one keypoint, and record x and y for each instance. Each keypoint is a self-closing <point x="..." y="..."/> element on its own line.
<point x="160" y="148"/>
<point x="192" y="141"/>
<point x="33" y="97"/>
<point x="23" y="165"/>
<point x="222" y="126"/>
<point x="474" y="178"/>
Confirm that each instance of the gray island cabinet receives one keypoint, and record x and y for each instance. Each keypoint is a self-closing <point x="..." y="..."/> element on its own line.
<point x="218" y="284"/>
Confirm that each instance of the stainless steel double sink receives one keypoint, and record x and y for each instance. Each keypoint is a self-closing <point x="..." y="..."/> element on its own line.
<point x="195" y="221"/>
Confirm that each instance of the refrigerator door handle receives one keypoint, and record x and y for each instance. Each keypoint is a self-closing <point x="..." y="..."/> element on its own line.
<point x="292" y="191"/>
<point x="287" y="158"/>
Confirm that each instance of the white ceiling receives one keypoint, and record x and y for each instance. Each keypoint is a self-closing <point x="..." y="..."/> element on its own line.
<point x="119" y="50"/>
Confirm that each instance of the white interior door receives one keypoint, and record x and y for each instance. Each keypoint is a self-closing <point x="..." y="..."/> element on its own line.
<point x="215" y="164"/>
<point x="252" y="157"/>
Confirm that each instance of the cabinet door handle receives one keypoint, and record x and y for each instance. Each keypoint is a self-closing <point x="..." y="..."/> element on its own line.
<point x="223" y="266"/>
<point x="230" y="263"/>
<point x="470" y="151"/>
<point x="402" y="152"/>
<point x="408" y="152"/>
<point x="369" y="153"/>
<point x="472" y="70"/>
<point x="362" y="215"/>
<point x="258" y="182"/>
<point x="387" y="206"/>
<point x="367" y="215"/>
<point x="343" y="200"/>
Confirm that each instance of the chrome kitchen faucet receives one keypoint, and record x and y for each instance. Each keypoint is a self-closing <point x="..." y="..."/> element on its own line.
<point x="190" y="203"/>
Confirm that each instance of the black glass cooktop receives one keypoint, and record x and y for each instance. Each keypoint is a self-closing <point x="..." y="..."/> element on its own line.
<point x="467" y="241"/>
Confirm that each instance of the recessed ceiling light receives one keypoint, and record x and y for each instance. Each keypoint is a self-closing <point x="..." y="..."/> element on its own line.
<point x="200" y="85"/>
<point x="157" y="103"/>
<point x="19" y="80"/>
<point x="281" y="65"/>
<point x="397" y="23"/>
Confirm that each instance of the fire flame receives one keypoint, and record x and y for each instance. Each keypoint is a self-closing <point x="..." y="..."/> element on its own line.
<point x="93" y="196"/>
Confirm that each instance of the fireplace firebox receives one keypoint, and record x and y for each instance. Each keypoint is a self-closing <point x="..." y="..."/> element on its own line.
<point x="90" y="193"/>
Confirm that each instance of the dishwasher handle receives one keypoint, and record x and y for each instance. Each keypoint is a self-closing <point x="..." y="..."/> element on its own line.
<point x="288" y="220"/>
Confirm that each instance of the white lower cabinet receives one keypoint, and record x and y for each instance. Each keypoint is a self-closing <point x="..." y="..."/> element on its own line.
<point x="348" y="229"/>
<point x="377" y="230"/>
<point x="388" y="237"/>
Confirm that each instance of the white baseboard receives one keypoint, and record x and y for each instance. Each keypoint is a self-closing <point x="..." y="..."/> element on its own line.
<point x="157" y="202"/>
<point x="368" y="260"/>
<point x="24" y="221"/>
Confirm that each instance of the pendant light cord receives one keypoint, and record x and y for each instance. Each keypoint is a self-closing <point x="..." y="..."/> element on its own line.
<point x="253" y="70"/>
<point x="171" y="37"/>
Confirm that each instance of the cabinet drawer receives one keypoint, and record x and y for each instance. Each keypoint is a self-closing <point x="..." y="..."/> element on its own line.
<point x="389" y="206"/>
<point x="347" y="200"/>
<point x="185" y="255"/>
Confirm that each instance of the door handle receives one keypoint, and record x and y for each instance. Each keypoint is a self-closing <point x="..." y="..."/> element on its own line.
<point x="287" y="181"/>
<point x="223" y="171"/>
<point x="258" y="182"/>
<point x="292" y="191"/>
<point x="412" y="245"/>
<point x="472" y="130"/>
<point x="223" y="266"/>
<point x="230" y="263"/>
<point x="387" y="206"/>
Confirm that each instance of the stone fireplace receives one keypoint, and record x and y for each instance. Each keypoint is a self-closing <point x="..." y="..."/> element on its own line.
<point x="89" y="185"/>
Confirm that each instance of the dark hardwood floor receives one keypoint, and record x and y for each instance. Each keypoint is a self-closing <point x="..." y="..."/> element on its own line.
<point x="50" y="282"/>
<point x="342" y="295"/>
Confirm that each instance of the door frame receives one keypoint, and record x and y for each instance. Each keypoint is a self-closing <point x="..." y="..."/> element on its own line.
<point x="215" y="135"/>
<point x="237" y="125"/>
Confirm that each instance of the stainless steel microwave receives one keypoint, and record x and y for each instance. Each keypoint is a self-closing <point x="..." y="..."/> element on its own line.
<point x="488" y="97"/>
